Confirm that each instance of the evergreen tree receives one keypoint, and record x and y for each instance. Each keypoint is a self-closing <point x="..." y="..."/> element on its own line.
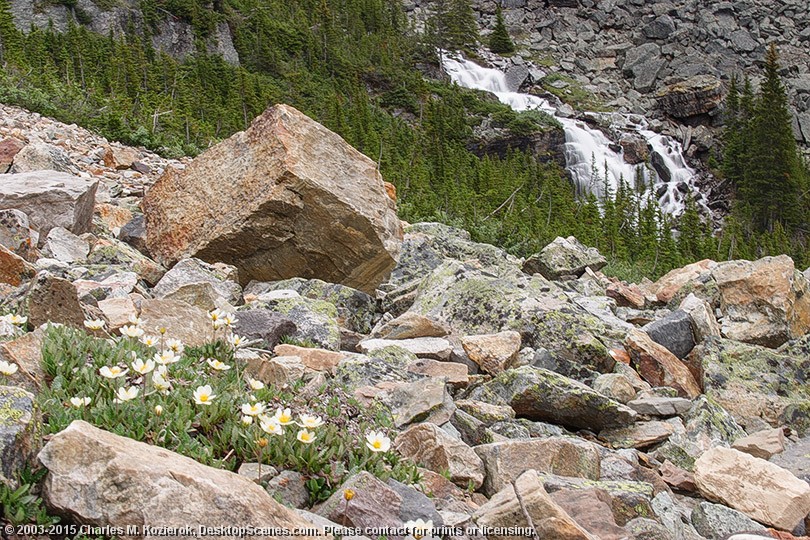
<point x="734" y="155"/>
<point x="453" y="25"/>
<point x="499" y="40"/>
<point x="772" y="182"/>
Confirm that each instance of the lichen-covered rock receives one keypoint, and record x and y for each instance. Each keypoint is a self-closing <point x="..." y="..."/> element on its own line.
<point x="356" y="310"/>
<point x="638" y="435"/>
<point x="265" y="325"/>
<point x="39" y="156"/>
<point x="382" y="365"/>
<point x="564" y="257"/>
<point x="95" y="477"/>
<point x="680" y="282"/>
<point x="63" y="245"/>
<point x="765" y="302"/>
<point x="50" y="199"/>
<point x="16" y="234"/>
<point x="704" y="323"/>
<point x="315" y="320"/>
<point x="430" y="446"/>
<point x="615" y="386"/>
<point x="759" y="386"/>
<point x="564" y="456"/>
<point x="706" y="425"/>
<point x="694" y="96"/>
<point x="426" y="347"/>
<point x="26" y="352"/>
<point x="285" y="198"/>
<point x="718" y="522"/>
<point x="540" y="394"/>
<point x="14" y="270"/>
<point x="761" y="490"/>
<point x="423" y="400"/>
<point x="17" y="431"/>
<point x="410" y="325"/>
<point x="673" y="332"/>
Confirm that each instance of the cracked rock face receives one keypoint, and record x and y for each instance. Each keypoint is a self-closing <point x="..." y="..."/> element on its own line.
<point x="285" y="198"/>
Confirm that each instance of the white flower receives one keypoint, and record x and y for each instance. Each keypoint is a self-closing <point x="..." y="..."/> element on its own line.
<point x="247" y="420"/>
<point x="419" y="528"/>
<point x="158" y="410"/>
<point x="283" y="417"/>
<point x="305" y="436"/>
<point x="216" y="316"/>
<point x="252" y="409"/>
<point x="7" y="368"/>
<point x="229" y="320"/>
<point x="16" y="320"/>
<point x="150" y="341"/>
<point x="310" y="421"/>
<point x="143" y="367"/>
<point x="270" y="426"/>
<point x="80" y="402"/>
<point x="135" y="320"/>
<point x="160" y="383"/>
<point x="126" y="394"/>
<point x="217" y="365"/>
<point x="376" y="441"/>
<point x="94" y="324"/>
<point x="236" y="341"/>
<point x="255" y="384"/>
<point x="175" y="345"/>
<point x="112" y="372"/>
<point x="166" y="357"/>
<point x="203" y="396"/>
<point x="131" y="331"/>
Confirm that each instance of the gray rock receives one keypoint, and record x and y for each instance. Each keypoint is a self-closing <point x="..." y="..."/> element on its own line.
<point x="289" y="488"/>
<point x="17" y="438"/>
<point x="265" y="325"/>
<point x="540" y="394"/>
<point x="134" y="233"/>
<point x="426" y="347"/>
<point x="794" y="459"/>
<point x="383" y="365"/>
<point x="674" y="517"/>
<point x="50" y="199"/>
<point x="63" y="245"/>
<point x="717" y="522"/>
<point x="53" y="299"/>
<point x="356" y="310"/>
<point x="660" y="28"/>
<point x="516" y="76"/>
<point x="673" y="332"/>
<point x="415" y="505"/>
<point x="184" y="280"/>
<point x="647" y="529"/>
<point x="646" y="73"/>
<point x="256" y="473"/>
<point x="564" y="257"/>
<point x="315" y="320"/>
<point x="742" y="41"/>
<point x="660" y="406"/>
<point x="40" y="156"/>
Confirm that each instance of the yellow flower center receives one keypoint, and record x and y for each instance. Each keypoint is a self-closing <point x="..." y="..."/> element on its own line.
<point x="203" y="397"/>
<point x="377" y="444"/>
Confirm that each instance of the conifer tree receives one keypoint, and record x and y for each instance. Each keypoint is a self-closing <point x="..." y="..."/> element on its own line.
<point x="499" y="40"/>
<point x="773" y="175"/>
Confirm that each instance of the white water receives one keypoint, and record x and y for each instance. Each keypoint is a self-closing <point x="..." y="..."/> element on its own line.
<point x="588" y="149"/>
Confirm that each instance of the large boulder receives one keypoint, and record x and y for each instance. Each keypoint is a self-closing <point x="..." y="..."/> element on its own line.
<point x="564" y="257"/>
<point x="658" y="366"/>
<point x="761" y="490"/>
<point x="98" y="478"/>
<point x="284" y="198"/>
<point x="38" y="156"/>
<point x="697" y="95"/>
<point x="765" y="302"/>
<point x="17" y="431"/>
<point x="50" y="199"/>
<point x="540" y="394"/>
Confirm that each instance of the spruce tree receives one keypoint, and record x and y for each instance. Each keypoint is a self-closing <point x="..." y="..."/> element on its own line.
<point x="773" y="176"/>
<point x="499" y="40"/>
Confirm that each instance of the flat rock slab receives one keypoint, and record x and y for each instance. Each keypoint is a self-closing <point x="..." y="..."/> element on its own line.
<point x="98" y="478"/>
<point x="424" y="347"/>
<point x="50" y="199"/>
<point x="284" y="198"/>
<point x="761" y="490"/>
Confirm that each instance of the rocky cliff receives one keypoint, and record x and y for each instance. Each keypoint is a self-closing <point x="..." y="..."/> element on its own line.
<point x="626" y="52"/>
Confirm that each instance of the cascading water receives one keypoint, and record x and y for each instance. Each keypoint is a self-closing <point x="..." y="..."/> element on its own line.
<point x="591" y="158"/>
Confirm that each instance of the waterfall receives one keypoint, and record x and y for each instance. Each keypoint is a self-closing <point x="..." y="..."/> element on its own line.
<point x="591" y="158"/>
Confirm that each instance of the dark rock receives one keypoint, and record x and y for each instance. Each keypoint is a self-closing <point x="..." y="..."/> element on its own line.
<point x="17" y="438"/>
<point x="564" y="257"/>
<point x="289" y="488"/>
<point x="660" y="28"/>
<point x="673" y="332"/>
<point x="263" y="324"/>
<point x="134" y="234"/>
<point x="635" y="150"/>
<point x="415" y="505"/>
<point x="717" y="522"/>
<point x="54" y="299"/>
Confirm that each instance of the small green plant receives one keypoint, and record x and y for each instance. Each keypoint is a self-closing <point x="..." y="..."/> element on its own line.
<point x="22" y="505"/>
<point x="193" y="400"/>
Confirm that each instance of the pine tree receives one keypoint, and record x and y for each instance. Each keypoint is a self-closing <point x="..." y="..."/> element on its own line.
<point x="773" y="175"/>
<point x="499" y="40"/>
<point x="10" y="39"/>
<point x="734" y="155"/>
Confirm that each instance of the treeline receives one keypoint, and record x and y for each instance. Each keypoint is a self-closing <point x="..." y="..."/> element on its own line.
<point x="359" y="68"/>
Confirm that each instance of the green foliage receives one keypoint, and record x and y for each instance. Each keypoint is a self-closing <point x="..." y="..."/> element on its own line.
<point x="215" y="434"/>
<point x="22" y="505"/>
<point x="452" y="25"/>
<point x="572" y="93"/>
<point x="499" y="40"/>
